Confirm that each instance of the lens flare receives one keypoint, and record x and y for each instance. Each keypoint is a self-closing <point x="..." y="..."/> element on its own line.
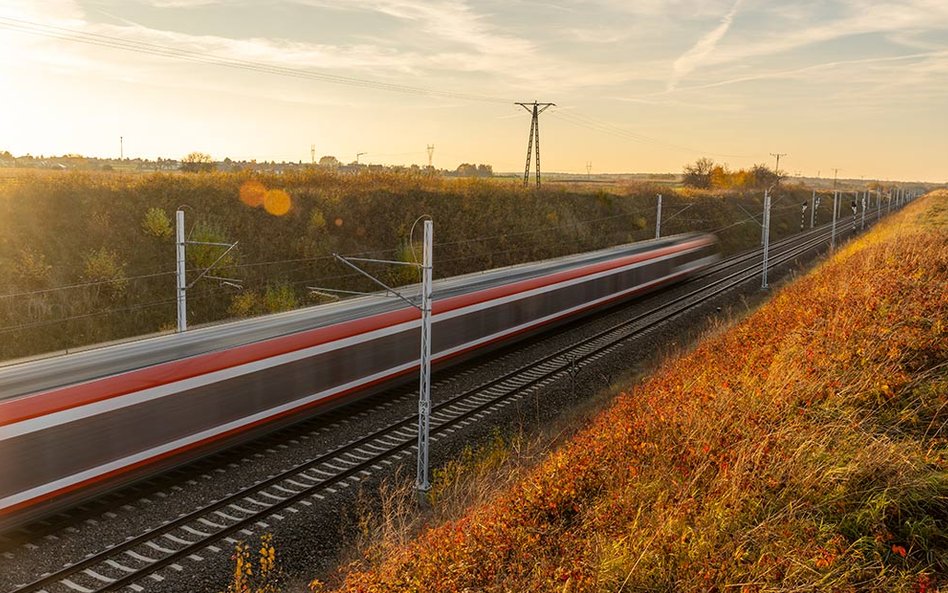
<point x="252" y="193"/>
<point x="277" y="202"/>
<point x="338" y="222"/>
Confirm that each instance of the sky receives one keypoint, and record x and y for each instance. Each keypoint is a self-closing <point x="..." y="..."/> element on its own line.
<point x="639" y="85"/>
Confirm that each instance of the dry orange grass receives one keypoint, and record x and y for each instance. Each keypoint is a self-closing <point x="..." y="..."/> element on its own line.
<point x="803" y="449"/>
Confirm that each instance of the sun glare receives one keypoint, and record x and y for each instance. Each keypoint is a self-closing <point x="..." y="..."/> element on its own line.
<point x="252" y="193"/>
<point x="277" y="202"/>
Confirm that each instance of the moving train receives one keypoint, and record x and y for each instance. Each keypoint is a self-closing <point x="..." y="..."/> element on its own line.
<point x="75" y="425"/>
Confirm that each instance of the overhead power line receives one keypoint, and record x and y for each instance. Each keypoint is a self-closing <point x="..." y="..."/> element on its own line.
<point x="602" y="126"/>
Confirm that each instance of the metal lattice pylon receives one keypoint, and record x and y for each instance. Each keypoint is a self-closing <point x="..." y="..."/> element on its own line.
<point x="535" y="109"/>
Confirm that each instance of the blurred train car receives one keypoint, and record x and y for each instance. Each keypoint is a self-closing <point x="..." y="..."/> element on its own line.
<point x="75" y="425"/>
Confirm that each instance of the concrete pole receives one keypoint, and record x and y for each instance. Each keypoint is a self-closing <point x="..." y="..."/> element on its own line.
<point x="833" y="233"/>
<point x="813" y="209"/>
<point x="658" y="218"/>
<point x="180" y="272"/>
<point x="855" y="197"/>
<point x="422" y="483"/>
<point x="766" y="240"/>
<point x="865" y="196"/>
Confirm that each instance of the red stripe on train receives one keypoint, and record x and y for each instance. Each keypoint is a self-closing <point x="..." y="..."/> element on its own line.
<point x="323" y="401"/>
<point x="63" y="398"/>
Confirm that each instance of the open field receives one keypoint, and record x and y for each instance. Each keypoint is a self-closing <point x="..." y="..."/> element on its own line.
<point x="87" y="258"/>
<point x="802" y="448"/>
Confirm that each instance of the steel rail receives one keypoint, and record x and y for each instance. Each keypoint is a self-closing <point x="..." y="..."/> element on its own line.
<point x="445" y="415"/>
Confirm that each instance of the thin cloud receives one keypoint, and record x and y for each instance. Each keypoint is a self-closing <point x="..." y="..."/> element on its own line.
<point x="862" y="20"/>
<point x="698" y="54"/>
<point x="796" y="73"/>
<point x="450" y="20"/>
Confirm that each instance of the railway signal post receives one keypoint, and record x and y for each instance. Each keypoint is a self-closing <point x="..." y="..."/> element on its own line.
<point x="853" y="206"/>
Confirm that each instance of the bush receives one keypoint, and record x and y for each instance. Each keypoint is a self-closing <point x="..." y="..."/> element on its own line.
<point x="157" y="224"/>
<point x="104" y="268"/>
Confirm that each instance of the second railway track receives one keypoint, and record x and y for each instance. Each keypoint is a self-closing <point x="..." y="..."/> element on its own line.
<point x="186" y="539"/>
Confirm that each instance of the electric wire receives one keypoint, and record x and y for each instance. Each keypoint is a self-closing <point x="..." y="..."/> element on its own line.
<point x="377" y="252"/>
<point x="201" y="296"/>
<point x="598" y="125"/>
<point x="208" y="293"/>
<point x="84" y="285"/>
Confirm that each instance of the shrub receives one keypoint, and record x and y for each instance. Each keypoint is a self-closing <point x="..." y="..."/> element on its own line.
<point x="157" y="224"/>
<point x="105" y="268"/>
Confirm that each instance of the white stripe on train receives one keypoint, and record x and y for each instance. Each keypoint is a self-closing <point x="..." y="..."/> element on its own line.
<point x="183" y="442"/>
<point x="84" y="411"/>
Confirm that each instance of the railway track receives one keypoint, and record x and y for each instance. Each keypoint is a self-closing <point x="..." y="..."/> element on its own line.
<point x="188" y="537"/>
<point x="207" y="467"/>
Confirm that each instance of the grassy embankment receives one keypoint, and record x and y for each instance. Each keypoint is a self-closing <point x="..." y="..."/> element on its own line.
<point x="111" y="236"/>
<point x="804" y="448"/>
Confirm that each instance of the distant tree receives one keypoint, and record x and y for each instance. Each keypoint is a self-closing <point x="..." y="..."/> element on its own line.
<point x="196" y="162"/>
<point x="699" y="174"/>
<point x="466" y="170"/>
<point x="721" y="177"/>
<point x="485" y="171"/>
<point x="763" y="176"/>
<point x="5" y="155"/>
<point x="329" y="161"/>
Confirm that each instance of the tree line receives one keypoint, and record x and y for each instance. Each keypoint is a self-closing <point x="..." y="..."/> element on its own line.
<point x="707" y="174"/>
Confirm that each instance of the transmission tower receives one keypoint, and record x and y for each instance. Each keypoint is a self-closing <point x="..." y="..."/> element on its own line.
<point x="536" y="109"/>
<point x="589" y="168"/>
<point x="777" y="168"/>
<point x="430" y="155"/>
<point x="312" y="153"/>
